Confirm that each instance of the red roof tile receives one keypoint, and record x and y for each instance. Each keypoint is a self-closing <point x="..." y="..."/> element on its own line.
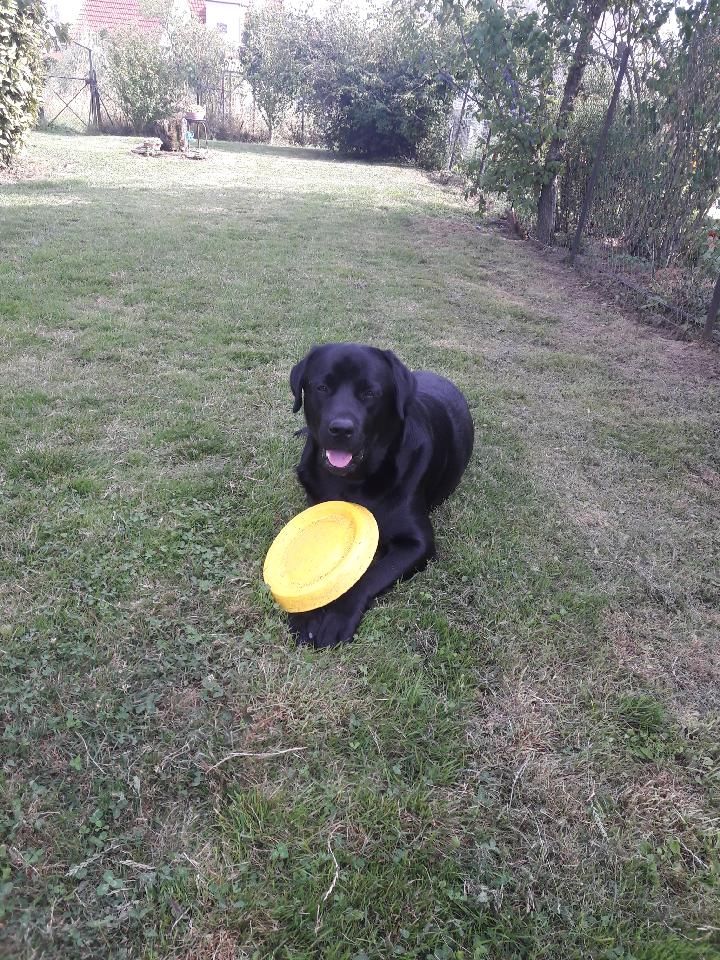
<point x="197" y="7"/>
<point x="98" y="15"/>
<point x="109" y="15"/>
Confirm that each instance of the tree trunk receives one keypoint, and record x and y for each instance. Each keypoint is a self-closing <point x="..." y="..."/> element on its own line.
<point x="712" y="312"/>
<point x="547" y="202"/>
<point x="171" y="132"/>
<point x="599" y="154"/>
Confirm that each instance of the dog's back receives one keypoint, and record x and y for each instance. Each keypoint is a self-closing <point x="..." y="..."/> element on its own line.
<point x="448" y="417"/>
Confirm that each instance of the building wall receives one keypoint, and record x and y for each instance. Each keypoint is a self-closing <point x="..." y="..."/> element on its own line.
<point x="64" y="11"/>
<point x="230" y="16"/>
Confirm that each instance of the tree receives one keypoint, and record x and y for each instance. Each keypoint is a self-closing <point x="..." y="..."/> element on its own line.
<point x="25" y="33"/>
<point x="687" y="117"/>
<point x="527" y="68"/>
<point x="547" y="200"/>
<point x="153" y="77"/>
<point x="507" y="65"/>
<point x="200" y="55"/>
<point x="712" y="312"/>
<point x="271" y="57"/>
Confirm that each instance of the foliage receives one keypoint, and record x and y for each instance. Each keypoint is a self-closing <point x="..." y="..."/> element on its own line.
<point x="152" y="79"/>
<point x="271" y="60"/>
<point x="526" y="66"/>
<point x="710" y="252"/>
<point x="510" y="57"/>
<point x="377" y="92"/>
<point x="24" y="36"/>
<point x="144" y="76"/>
<point x="200" y="55"/>
<point x="685" y="108"/>
<point x="661" y="169"/>
<point x="371" y="88"/>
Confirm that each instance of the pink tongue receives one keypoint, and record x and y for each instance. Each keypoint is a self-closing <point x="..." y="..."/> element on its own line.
<point x="338" y="458"/>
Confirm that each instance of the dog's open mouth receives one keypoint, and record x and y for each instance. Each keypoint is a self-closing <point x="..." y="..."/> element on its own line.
<point x="342" y="461"/>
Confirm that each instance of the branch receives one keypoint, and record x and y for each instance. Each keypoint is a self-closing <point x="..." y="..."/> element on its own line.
<point x="257" y="756"/>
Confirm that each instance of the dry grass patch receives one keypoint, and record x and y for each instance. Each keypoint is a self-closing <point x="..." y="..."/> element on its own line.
<point x="675" y="652"/>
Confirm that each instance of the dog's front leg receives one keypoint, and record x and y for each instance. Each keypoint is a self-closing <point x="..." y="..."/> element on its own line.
<point x="405" y="553"/>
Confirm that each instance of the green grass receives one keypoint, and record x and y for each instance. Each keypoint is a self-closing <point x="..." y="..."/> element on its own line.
<point x="517" y="759"/>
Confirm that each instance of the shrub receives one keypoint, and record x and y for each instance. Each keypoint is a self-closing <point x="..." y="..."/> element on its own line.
<point x="200" y="56"/>
<point x="152" y="80"/>
<point x="377" y="94"/>
<point x="271" y="57"/>
<point x="145" y="78"/>
<point x="24" y="35"/>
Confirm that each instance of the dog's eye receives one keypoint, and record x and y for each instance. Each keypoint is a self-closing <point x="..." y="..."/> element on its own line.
<point x="369" y="394"/>
<point x="322" y="388"/>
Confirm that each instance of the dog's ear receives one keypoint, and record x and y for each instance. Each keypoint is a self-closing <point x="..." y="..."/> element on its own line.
<point x="297" y="379"/>
<point x="405" y="385"/>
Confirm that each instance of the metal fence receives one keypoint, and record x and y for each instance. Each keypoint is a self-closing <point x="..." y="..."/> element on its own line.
<point x="71" y="93"/>
<point x="78" y="95"/>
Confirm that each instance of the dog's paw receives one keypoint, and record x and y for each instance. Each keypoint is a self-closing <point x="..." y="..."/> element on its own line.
<point x="326" y="627"/>
<point x="338" y="623"/>
<point x="301" y="628"/>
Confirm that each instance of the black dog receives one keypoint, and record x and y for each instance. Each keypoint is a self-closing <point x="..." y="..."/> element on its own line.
<point x="394" y="441"/>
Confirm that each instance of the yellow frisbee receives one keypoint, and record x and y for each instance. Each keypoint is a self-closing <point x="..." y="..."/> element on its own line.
<point x="320" y="554"/>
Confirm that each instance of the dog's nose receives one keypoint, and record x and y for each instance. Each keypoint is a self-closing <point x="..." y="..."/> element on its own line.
<point x="341" y="427"/>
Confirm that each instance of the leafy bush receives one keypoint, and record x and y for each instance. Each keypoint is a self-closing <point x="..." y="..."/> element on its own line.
<point x="24" y="34"/>
<point x="144" y="76"/>
<point x="367" y="90"/>
<point x="200" y="56"/>
<point x="272" y="58"/>
<point x="153" y="80"/>
<point x="377" y="94"/>
<point x="660" y="172"/>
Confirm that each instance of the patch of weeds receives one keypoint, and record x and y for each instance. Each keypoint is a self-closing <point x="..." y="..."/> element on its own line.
<point x="651" y="946"/>
<point x="42" y="466"/>
<point x="668" y="948"/>
<point x="666" y="445"/>
<point x="24" y="402"/>
<point x="564" y="363"/>
<point x="193" y="440"/>
<point x="394" y="895"/>
<point x="669" y="865"/>
<point x="529" y="317"/>
<point x="248" y="357"/>
<point x="84" y="486"/>
<point x="646" y="731"/>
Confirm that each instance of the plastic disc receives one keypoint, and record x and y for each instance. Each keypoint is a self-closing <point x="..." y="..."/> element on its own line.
<point x="320" y="554"/>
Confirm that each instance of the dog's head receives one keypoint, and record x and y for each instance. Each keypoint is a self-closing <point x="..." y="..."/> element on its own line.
<point x="356" y="400"/>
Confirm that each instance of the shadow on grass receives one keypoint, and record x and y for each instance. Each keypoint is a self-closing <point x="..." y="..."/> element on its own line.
<point x="278" y="150"/>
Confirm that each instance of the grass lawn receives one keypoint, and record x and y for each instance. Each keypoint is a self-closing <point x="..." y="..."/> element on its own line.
<point x="519" y="756"/>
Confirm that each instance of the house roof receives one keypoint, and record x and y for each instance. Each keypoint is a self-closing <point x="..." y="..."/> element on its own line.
<point x="98" y="15"/>
<point x="109" y="15"/>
